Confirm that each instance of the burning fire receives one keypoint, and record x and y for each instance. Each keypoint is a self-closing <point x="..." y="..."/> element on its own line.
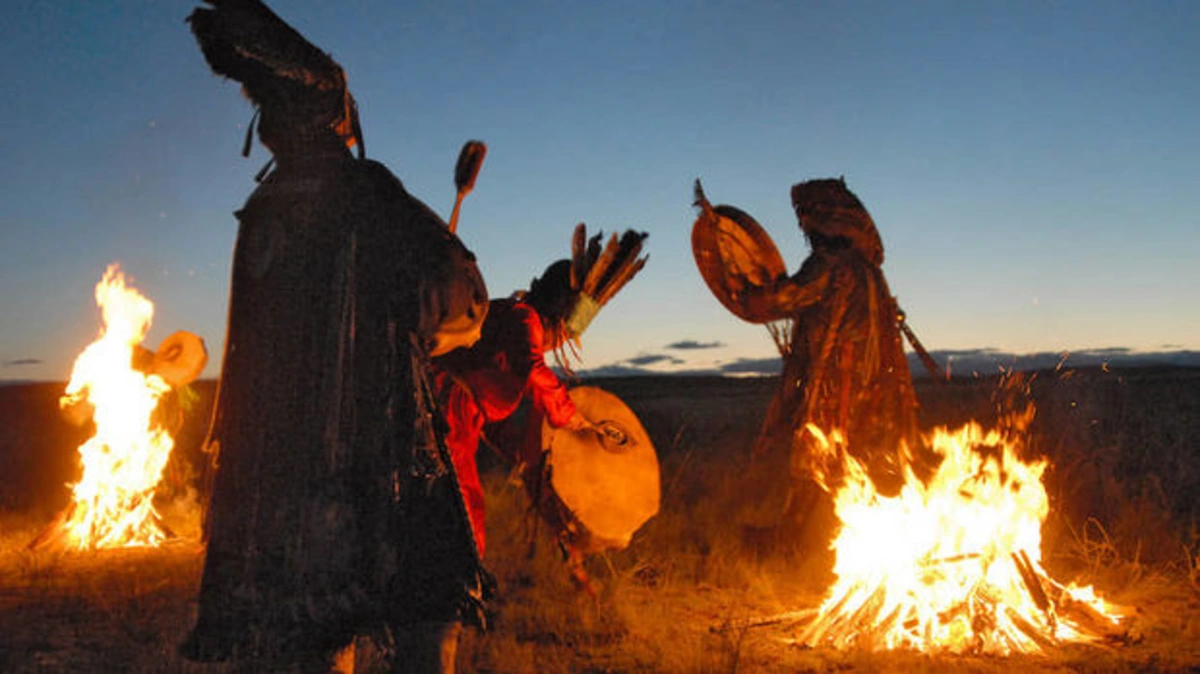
<point x="953" y="563"/>
<point x="124" y="460"/>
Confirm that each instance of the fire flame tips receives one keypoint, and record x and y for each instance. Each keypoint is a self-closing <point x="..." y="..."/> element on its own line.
<point x="124" y="461"/>
<point x="953" y="563"/>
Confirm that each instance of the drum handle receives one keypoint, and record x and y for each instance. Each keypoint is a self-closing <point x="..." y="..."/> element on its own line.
<point x="610" y="430"/>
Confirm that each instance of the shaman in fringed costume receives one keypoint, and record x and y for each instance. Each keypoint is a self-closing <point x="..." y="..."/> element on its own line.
<point x="334" y="509"/>
<point x="844" y="367"/>
<point x="485" y="384"/>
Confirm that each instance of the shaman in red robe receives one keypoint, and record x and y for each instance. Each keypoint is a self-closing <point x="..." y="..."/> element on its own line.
<point x="486" y="383"/>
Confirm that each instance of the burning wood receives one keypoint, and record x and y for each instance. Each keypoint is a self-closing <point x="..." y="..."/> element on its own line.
<point x="124" y="460"/>
<point x="952" y="564"/>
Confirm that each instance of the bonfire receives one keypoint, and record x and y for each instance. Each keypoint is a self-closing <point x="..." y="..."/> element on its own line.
<point x="119" y="385"/>
<point x="953" y="562"/>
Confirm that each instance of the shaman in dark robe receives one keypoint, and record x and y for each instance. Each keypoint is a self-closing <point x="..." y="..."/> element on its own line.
<point x="844" y="367"/>
<point x="334" y="510"/>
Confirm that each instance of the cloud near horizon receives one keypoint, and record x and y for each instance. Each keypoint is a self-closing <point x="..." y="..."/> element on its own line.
<point x="23" y="361"/>
<point x="691" y="344"/>
<point x="652" y="359"/>
<point x="753" y="366"/>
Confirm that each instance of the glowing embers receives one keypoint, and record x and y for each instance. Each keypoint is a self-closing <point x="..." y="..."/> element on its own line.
<point x="952" y="564"/>
<point x="124" y="460"/>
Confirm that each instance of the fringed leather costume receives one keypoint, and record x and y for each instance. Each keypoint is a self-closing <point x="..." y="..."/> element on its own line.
<point x="844" y="367"/>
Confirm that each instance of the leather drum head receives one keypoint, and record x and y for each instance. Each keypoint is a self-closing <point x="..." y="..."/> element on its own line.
<point x="735" y="255"/>
<point x="610" y="482"/>
<point x="180" y="358"/>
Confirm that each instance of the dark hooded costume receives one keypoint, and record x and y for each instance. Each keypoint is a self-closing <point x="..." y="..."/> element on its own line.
<point x="844" y="367"/>
<point x="333" y="510"/>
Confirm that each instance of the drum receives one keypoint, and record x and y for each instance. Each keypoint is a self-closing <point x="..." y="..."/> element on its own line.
<point x="454" y="297"/>
<point x="180" y="358"/>
<point x="596" y="488"/>
<point x="736" y="256"/>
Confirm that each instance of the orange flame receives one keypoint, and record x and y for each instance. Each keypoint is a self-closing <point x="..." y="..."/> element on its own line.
<point x="952" y="563"/>
<point x="124" y="460"/>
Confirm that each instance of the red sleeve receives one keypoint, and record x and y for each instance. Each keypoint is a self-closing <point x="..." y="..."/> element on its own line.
<point x="548" y="392"/>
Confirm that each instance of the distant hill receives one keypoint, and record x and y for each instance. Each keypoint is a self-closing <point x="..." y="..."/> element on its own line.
<point x="960" y="362"/>
<point x="987" y="361"/>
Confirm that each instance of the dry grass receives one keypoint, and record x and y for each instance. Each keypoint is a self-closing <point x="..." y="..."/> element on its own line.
<point x="1124" y="503"/>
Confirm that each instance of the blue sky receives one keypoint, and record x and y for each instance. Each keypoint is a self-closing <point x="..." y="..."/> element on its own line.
<point x="1032" y="166"/>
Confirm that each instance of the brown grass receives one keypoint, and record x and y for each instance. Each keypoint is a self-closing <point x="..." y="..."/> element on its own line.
<point x="1123" y="488"/>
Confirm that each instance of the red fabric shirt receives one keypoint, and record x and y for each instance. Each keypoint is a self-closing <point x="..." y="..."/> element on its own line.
<point x="486" y="383"/>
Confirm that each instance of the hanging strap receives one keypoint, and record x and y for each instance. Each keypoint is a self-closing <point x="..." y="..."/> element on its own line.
<point x="927" y="360"/>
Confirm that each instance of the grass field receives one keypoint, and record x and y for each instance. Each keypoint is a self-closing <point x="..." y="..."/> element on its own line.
<point x="1124" y="487"/>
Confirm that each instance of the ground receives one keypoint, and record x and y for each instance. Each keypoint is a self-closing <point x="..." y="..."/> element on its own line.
<point x="690" y="592"/>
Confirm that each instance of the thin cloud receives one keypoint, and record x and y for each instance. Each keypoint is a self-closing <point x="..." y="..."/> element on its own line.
<point x="759" y="366"/>
<point x="1110" y="351"/>
<point x="653" y="359"/>
<point x="23" y="361"/>
<point x="691" y="345"/>
<point x="615" y="370"/>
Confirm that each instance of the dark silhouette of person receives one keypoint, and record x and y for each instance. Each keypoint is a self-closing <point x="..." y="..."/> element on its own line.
<point x="334" y="509"/>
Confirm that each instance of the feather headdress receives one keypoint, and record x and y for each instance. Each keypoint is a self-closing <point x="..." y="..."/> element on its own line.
<point x="598" y="273"/>
<point x="570" y="293"/>
<point x="299" y="89"/>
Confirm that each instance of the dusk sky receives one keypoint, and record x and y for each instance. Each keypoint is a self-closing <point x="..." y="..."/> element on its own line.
<point x="1033" y="167"/>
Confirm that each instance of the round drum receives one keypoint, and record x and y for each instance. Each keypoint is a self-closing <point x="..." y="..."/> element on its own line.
<point x="180" y="358"/>
<point x="604" y="485"/>
<point x="735" y="256"/>
<point x="454" y="297"/>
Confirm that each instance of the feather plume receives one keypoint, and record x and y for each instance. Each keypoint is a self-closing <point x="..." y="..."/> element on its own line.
<point x="623" y="275"/>
<point x="597" y="270"/>
<point x="593" y="254"/>
<point x="601" y="271"/>
<point x="578" y="256"/>
<point x="623" y="267"/>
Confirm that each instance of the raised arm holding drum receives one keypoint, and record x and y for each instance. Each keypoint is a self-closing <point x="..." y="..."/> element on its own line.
<point x="838" y="330"/>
